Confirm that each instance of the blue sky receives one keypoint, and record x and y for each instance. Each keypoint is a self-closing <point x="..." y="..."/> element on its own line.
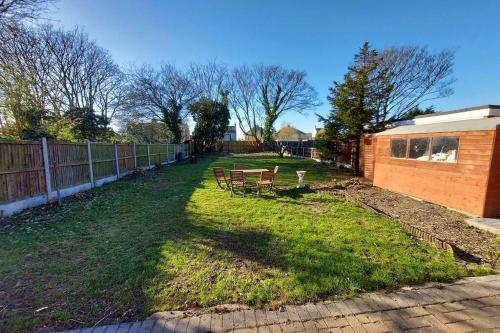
<point x="319" y="37"/>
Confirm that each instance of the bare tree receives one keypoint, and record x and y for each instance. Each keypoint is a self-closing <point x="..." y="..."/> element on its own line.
<point x="49" y="71"/>
<point x="282" y="90"/>
<point x="24" y="73"/>
<point x="244" y="101"/>
<point x="210" y="80"/>
<point x="15" y="12"/>
<point x="162" y="94"/>
<point x="111" y="99"/>
<point x="412" y="75"/>
<point x="79" y="67"/>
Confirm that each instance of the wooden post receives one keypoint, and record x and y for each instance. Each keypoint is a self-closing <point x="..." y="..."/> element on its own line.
<point x="149" y="157"/>
<point x="91" y="171"/>
<point x="175" y="157"/>
<point x="117" y="162"/>
<point x="135" y="157"/>
<point x="167" y="153"/>
<point x="46" y="166"/>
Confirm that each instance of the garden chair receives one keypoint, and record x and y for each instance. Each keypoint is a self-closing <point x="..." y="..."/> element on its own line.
<point x="220" y="178"/>
<point x="266" y="181"/>
<point x="239" y="166"/>
<point x="237" y="179"/>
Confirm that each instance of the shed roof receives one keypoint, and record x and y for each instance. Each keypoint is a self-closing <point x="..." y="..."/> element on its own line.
<point x="485" y="124"/>
<point x="481" y="107"/>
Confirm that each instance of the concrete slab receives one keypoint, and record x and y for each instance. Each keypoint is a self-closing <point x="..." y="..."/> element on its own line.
<point x="489" y="224"/>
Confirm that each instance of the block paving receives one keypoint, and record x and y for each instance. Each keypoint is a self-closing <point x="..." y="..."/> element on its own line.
<point x="469" y="305"/>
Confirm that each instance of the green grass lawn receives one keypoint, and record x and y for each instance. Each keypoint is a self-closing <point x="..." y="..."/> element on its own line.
<point x="174" y="242"/>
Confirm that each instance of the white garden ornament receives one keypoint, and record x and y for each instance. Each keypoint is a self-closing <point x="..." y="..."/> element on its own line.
<point x="301" y="175"/>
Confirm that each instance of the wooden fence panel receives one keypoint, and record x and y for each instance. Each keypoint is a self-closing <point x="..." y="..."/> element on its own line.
<point x="241" y="147"/>
<point x="27" y="168"/>
<point x="171" y="153"/>
<point x="154" y="150"/>
<point x="103" y="160"/>
<point x="142" y="155"/>
<point x="69" y="164"/>
<point x="162" y="154"/>
<point x="126" y="157"/>
<point x="21" y="170"/>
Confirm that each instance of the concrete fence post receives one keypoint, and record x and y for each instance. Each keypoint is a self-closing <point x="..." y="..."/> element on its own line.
<point x="117" y="162"/>
<point x="135" y="156"/>
<point x="91" y="170"/>
<point x="149" y="157"/>
<point x="46" y="166"/>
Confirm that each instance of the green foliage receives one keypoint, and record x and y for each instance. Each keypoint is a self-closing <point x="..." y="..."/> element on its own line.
<point x="354" y="101"/>
<point x="212" y="120"/>
<point x="20" y="105"/>
<point x="59" y="128"/>
<point x="33" y="124"/>
<point x="417" y="111"/>
<point x="86" y="124"/>
<point x="167" y="243"/>
<point x="146" y="132"/>
<point x="327" y="146"/>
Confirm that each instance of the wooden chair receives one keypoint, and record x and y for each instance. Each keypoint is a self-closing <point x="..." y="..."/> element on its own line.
<point x="239" y="166"/>
<point x="220" y="178"/>
<point x="266" y="181"/>
<point x="237" y="179"/>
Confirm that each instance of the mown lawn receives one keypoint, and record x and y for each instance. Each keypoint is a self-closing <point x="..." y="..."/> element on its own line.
<point x="173" y="242"/>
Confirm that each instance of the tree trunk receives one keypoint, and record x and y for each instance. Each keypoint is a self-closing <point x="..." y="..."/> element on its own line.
<point x="267" y="135"/>
<point x="357" y="156"/>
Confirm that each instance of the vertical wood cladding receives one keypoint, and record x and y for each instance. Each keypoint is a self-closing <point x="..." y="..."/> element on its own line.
<point x="462" y="185"/>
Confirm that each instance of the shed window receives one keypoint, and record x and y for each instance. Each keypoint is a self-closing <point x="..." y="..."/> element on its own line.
<point x="419" y="149"/>
<point x="445" y="149"/>
<point x="398" y="148"/>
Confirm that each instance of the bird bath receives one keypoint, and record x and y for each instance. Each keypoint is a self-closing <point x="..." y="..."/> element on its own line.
<point x="301" y="175"/>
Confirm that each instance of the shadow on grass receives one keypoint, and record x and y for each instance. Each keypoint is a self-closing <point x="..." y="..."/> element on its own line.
<point x="295" y="193"/>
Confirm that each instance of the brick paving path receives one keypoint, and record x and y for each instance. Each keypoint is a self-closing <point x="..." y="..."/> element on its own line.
<point x="469" y="305"/>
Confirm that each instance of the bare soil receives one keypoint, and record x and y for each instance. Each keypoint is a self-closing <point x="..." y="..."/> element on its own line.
<point x="469" y="243"/>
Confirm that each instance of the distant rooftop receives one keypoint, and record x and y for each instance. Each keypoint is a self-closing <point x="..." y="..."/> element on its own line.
<point x="292" y="133"/>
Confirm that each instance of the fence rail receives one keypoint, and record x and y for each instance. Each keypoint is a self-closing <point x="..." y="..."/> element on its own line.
<point x="36" y="172"/>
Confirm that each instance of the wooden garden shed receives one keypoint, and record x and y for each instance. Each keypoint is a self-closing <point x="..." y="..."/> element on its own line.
<point x="450" y="158"/>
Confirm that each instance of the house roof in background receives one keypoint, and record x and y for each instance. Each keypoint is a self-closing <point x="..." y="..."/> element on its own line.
<point x="484" y="124"/>
<point x="290" y="132"/>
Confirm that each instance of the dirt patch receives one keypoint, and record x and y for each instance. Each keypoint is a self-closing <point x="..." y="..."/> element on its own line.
<point x="47" y="213"/>
<point x="141" y="174"/>
<point x="469" y="243"/>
